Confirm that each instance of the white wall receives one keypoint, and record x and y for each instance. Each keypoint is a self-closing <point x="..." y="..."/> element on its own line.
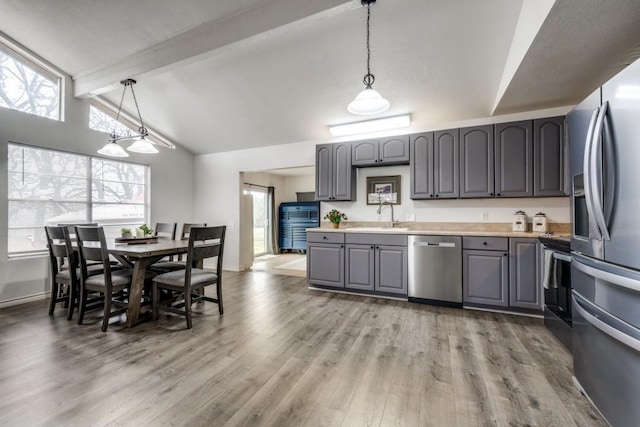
<point x="297" y="184"/>
<point x="172" y="185"/>
<point x="218" y="178"/>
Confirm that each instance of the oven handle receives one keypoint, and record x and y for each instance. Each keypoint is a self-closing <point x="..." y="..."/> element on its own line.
<point x="623" y="282"/>
<point x="562" y="257"/>
<point x="604" y="327"/>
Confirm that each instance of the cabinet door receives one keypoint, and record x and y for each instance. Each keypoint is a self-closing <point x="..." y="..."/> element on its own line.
<point x="422" y="166"/>
<point x="365" y="153"/>
<point x="325" y="264"/>
<point x="394" y="151"/>
<point x="476" y="161"/>
<point x="524" y="290"/>
<point x="343" y="176"/>
<point x="391" y="269"/>
<point x="514" y="159"/>
<point x="446" y="161"/>
<point x="324" y="171"/>
<point x="359" y="260"/>
<point x="549" y="157"/>
<point x="485" y="277"/>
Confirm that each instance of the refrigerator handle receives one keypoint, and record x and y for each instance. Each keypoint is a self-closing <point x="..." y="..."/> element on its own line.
<point x="596" y="178"/>
<point x="605" y="327"/>
<point x="594" y="232"/>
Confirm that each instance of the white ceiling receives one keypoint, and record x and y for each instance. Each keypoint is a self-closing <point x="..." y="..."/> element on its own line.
<point x="230" y="74"/>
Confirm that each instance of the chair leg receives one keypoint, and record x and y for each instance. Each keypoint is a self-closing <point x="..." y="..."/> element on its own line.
<point x="219" y="289"/>
<point x="82" y="305"/>
<point x="73" y="299"/>
<point x="155" y="298"/>
<point x="107" y="311"/>
<point x="54" y="297"/>
<point x="187" y="307"/>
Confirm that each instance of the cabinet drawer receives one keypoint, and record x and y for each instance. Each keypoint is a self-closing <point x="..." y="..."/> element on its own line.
<point x="319" y="237"/>
<point x="486" y="243"/>
<point x="377" y="239"/>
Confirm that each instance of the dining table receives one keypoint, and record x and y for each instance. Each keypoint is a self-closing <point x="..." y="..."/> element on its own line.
<point x="139" y="257"/>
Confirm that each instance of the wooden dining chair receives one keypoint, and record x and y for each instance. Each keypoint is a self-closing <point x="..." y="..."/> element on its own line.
<point x="204" y="242"/>
<point x="92" y="246"/>
<point x="171" y="265"/>
<point x="165" y="230"/>
<point x="62" y="267"/>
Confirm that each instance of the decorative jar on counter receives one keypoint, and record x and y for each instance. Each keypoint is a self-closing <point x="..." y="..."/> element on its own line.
<point x="540" y="223"/>
<point x="520" y="221"/>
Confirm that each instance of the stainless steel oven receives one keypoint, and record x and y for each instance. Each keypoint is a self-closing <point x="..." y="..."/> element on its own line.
<point x="557" y="287"/>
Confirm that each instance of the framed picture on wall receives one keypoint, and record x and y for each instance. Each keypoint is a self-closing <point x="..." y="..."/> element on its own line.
<point x="382" y="189"/>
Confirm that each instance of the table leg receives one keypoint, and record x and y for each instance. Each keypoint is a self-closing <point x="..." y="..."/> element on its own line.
<point x="135" y="294"/>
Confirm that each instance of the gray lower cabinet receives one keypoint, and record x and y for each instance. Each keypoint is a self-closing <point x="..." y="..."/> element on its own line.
<point x="476" y="162"/>
<point x="377" y="263"/>
<point x="549" y="157"/>
<point x="485" y="277"/>
<point x="325" y="259"/>
<point x="524" y="284"/>
<point x="380" y="152"/>
<point x="335" y="178"/>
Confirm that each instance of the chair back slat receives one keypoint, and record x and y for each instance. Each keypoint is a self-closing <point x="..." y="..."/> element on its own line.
<point x="60" y="249"/>
<point x="92" y="246"/>
<point x="165" y="230"/>
<point x="205" y="242"/>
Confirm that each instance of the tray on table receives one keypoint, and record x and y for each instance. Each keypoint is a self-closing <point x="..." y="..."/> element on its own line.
<point x="137" y="240"/>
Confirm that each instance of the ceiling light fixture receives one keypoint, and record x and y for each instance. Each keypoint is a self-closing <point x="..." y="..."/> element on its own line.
<point x="141" y="144"/>
<point x="369" y="101"/>
<point x="369" y="126"/>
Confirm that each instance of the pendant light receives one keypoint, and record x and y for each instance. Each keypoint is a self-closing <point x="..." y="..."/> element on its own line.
<point x="369" y="101"/>
<point x="141" y="144"/>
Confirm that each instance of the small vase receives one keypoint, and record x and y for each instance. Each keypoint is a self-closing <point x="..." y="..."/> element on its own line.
<point x="335" y="224"/>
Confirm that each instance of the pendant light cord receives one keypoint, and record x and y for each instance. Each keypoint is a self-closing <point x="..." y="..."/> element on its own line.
<point x="368" y="78"/>
<point x="142" y="128"/>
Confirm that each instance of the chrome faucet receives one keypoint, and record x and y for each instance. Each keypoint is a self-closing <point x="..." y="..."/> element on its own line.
<point x="394" y="223"/>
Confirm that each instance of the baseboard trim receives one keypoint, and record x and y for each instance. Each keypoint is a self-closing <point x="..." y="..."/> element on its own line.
<point x="24" y="300"/>
<point x="493" y="310"/>
<point x="357" y="293"/>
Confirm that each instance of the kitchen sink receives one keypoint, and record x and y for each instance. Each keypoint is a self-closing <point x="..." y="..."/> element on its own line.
<point x="377" y="229"/>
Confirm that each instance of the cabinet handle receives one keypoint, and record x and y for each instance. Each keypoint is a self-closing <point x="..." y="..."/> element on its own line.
<point x="491" y="194"/>
<point x="375" y="161"/>
<point x="324" y="237"/>
<point x="484" y="243"/>
<point x="371" y="247"/>
<point x="377" y="247"/>
<point x="342" y="246"/>
<point x="437" y="195"/>
<point x="506" y="254"/>
<point x="430" y="195"/>
<point x="498" y="194"/>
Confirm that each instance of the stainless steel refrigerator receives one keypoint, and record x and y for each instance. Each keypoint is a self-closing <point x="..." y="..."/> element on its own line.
<point x="604" y="144"/>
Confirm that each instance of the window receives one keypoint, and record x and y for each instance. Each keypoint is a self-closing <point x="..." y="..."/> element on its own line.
<point x="28" y="87"/>
<point x="102" y="122"/>
<point x="49" y="187"/>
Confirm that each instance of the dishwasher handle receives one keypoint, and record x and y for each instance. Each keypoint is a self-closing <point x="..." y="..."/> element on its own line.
<point x="435" y="245"/>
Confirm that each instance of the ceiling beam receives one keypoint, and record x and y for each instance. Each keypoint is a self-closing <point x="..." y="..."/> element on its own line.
<point x="205" y="41"/>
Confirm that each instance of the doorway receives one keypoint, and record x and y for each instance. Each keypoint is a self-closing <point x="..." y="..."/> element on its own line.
<point x="260" y="220"/>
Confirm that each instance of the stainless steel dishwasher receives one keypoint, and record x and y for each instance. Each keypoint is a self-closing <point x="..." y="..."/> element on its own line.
<point x="435" y="270"/>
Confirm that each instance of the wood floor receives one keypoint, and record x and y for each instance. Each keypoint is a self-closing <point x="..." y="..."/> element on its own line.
<point x="283" y="355"/>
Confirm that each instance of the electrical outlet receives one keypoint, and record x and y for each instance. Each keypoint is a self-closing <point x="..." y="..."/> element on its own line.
<point x="411" y="217"/>
<point x="484" y="216"/>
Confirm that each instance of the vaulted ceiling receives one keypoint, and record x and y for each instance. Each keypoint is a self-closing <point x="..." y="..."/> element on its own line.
<point x="231" y="74"/>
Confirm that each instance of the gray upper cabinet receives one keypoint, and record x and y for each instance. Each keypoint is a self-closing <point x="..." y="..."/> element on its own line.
<point x="387" y="151"/>
<point x="514" y="159"/>
<point x="335" y="178"/>
<point x="421" y="166"/>
<point x="524" y="288"/>
<point x="476" y="162"/>
<point x="549" y="157"/>
<point x="434" y="165"/>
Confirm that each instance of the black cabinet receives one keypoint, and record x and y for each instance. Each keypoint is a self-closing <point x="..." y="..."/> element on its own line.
<point x="476" y="162"/>
<point x="381" y="152"/>
<point x="293" y="220"/>
<point x="335" y="178"/>
<point x="525" y="290"/>
<point x="549" y="157"/>
<point x="435" y="165"/>
<point x="485" y="271"/>
<point x="513" y="147"/>
<point x="325" y="259"/>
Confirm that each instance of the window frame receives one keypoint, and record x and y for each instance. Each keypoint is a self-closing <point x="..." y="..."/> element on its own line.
<point x="20" y="54"/>
<point x="88" y="202"/>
